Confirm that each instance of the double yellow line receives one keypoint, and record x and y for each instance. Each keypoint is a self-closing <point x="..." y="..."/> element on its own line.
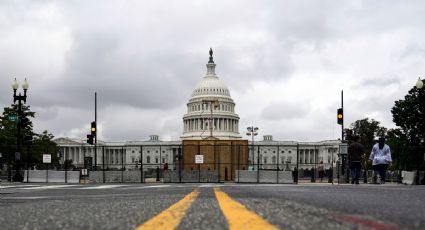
<point x="237" y="215"/>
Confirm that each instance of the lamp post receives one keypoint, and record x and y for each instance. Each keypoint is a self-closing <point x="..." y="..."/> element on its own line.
<point x="212" y="104"/>
<point x="19" y="98"/>
<point x="251" y="131"/>
<point x="419" y="85"/>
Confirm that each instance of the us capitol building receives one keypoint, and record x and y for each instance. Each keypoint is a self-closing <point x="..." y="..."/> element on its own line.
<point x="210" y="114"/>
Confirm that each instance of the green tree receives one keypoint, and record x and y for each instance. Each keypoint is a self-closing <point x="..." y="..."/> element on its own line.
<point x="8" y="128"/>
<point x="368" y="131"/>
<point x="399" y="145"/>
<point x="31" y="152"/>
<point x="409" y="115"/>
<point x="43" y="144"/>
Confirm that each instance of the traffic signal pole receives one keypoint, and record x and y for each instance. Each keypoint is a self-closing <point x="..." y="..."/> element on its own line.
<point x="95" y="136"/>
<point x="342" y="106"/>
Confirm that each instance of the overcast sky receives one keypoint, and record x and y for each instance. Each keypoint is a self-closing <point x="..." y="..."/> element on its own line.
<point x="285" y="62"/>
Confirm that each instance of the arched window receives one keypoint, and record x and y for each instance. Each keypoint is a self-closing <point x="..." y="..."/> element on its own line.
<point x="148" y="159"/>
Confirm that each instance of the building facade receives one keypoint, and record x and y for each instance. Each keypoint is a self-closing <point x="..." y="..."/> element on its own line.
<point x="210" y="116"/>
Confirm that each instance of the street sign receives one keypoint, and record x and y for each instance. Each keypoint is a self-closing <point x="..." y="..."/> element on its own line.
<point x="12" y="118"/>
<point x="47" y="158"/>
<point x="199" y="159"/>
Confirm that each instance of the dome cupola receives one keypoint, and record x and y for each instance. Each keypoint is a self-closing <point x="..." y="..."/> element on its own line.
<point x="210" y="110"/>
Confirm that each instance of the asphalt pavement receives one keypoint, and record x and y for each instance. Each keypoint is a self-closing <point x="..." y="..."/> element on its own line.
<point x="211" y="206"/>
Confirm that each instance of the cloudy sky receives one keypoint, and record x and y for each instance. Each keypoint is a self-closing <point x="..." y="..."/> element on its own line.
<point x="285" y="62"/>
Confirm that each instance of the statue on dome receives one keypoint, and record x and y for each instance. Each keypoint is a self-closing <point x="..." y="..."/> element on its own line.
<point x="211" y="57"/>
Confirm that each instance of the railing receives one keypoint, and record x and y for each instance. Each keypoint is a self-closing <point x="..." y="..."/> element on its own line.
<point x="171" y="164"/>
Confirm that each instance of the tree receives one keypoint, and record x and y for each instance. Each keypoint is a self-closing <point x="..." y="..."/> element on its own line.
<point x="43" y="144"/>
<point x="8" y="128"/>
<point x="409" y="115"/>
<point x="368" y="131"/>
<point x="31" y="152"/>
<point x="399" y="145"/>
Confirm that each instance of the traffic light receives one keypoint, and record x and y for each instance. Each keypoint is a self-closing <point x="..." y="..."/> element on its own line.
<point x="90" y="139"/>
<point x="348" y="134"/>
<point x="340" y="116"/>
<point x="93" y="129"/>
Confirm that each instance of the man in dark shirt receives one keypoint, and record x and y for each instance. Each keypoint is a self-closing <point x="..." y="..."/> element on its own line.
<point x="355" y="152"/>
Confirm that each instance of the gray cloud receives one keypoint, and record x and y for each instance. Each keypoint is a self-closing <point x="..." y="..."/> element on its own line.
<point x="144" y="58"/>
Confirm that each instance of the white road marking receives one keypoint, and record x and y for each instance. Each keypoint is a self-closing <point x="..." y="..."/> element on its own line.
<point x="210" y="185"/>
<point x="17" y="186"/>
<point x="102" y="187"/>
<point x="51" y="186"/>
<point x="26" y="198"/>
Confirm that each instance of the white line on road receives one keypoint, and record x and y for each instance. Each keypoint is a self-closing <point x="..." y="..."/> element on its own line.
<point x="51" y="186"/>
<point x="26" y="198"/>
<point x="18" y="186"/>
<point x="210" y="185"/>
<point x="103" y="186"/>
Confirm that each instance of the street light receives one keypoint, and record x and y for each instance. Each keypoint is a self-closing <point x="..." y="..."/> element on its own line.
<point x="251" y="131"/>
<point x="419" y="83"/>
<point x="19" y="98"/>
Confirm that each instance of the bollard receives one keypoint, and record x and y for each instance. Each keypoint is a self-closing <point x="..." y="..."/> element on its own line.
<point x="295" y="175"/>
<point x="157" y="173"/>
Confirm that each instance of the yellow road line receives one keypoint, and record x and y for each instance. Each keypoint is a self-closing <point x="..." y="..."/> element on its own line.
<point x="238" y="216"/>
<point x="171" y="217"/>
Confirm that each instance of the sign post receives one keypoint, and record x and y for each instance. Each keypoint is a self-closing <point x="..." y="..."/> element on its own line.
<point x="47" y="159"/>
<point x="199" y="159"/>
<point x="12" y="118"/>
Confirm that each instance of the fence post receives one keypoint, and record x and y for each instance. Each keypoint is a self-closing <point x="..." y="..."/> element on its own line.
<point x="103" y="163"/>
<point x="66" y="166"/>
<point x="298" y="161"/>
<point x="180" y="157"/>
<point x="239" y="150"/>
<point x="277" y="166"/>
<point x="258" y="164"/>
<point x="122" y="164"/>
<point x="141" y="165"/>
<point x="218" y="157"/>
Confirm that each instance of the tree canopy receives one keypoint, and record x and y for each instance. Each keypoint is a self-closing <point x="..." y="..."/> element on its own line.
<point x="409" y="115"/>
<point x="30" y="151"/>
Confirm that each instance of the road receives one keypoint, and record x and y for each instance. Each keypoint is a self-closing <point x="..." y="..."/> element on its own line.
<point x="211" y="206"/>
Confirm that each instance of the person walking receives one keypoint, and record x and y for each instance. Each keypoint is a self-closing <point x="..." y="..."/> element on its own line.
<point x="355" y="151"/>
<point x="381" y="158"/>
<point x="321" y="170"/>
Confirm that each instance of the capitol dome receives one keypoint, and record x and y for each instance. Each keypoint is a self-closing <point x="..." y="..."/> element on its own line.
<point x="211" y="110"/>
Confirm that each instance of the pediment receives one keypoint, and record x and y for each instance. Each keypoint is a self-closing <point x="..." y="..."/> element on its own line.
<point x="66" y="141"/>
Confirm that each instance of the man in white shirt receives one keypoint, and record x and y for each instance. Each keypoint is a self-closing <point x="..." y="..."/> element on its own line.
<point x="381" y="158"/>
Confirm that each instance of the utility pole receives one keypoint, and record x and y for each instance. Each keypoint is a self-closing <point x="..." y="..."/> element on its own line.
<point x="342" y="106"/>
<point x="95" y="122"/>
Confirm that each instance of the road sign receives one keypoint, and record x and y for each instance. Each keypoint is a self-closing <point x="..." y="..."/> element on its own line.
<point x="12" y="118"/>
<point x="199" y="159"/>
<point x="47" y="158"/>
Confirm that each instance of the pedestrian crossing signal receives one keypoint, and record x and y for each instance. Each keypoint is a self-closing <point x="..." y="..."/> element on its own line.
<point x="340" y="116"/>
